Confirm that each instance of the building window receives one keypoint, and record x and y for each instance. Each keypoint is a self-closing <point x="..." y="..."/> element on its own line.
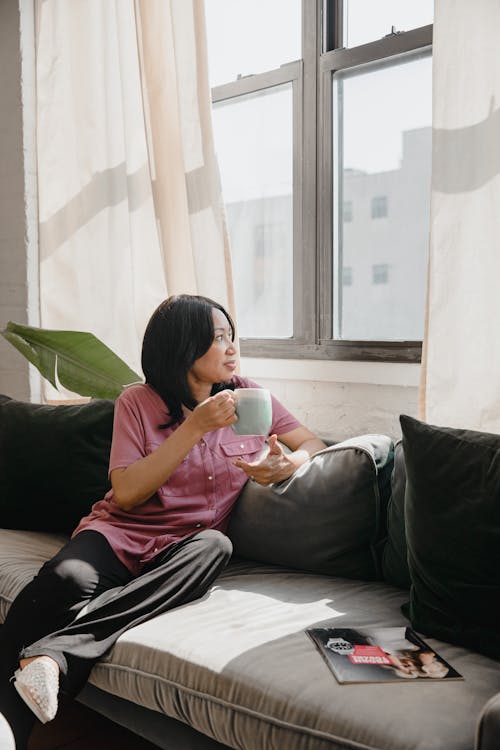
<point x="379" y="206"/>
<point x="380" y="273"/>
<point x="331" y="108"/>
<point x="346" y="276"/>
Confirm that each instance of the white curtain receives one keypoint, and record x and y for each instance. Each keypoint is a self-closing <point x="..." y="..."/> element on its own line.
<point x="461" y="383"/>
<point x="130" y="207"/>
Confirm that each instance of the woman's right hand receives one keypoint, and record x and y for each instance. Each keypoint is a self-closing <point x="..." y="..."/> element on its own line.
<point x="135" y="483"/>
<point x="215" y="412"/>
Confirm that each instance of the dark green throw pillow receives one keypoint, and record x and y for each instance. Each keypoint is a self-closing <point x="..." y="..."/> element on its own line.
<point x="329" y="517"/>
<point x="53" y="462"/>
<point x="394" y="562"/>
<point x="452" y="510"/>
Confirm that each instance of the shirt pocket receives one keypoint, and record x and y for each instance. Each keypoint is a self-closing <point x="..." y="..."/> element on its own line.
<point x="247" y="448"/>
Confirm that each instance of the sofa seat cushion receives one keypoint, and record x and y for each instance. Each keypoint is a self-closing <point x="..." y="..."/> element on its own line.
<point x="238" y="666"/>
<point x="22" y="553"/>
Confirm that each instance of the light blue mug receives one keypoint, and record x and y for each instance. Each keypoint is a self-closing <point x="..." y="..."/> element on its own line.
<point x="254" y="410"/>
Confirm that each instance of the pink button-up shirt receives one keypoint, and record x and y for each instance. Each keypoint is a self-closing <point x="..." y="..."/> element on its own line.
<point x="199" y="494"/>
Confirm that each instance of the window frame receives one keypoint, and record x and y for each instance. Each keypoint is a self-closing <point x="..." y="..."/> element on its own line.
<point x="291" y="73"/>
<point x="313" y="180"/>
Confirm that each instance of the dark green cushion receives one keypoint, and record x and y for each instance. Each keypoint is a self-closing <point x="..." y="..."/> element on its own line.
<point x="452" y="509"/>
<point x="329" y="517"/>
<point x="395" y="561"/>
<point x="53" y="462"/>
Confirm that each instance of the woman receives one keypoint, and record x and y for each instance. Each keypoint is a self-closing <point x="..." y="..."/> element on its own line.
<point x="156" y="540"/>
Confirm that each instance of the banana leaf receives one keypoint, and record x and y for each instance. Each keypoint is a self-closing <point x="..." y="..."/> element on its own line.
<point x="77" y="360"/>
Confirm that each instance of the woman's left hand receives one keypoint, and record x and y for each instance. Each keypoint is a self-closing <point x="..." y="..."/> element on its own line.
<point x="275" y="467"/>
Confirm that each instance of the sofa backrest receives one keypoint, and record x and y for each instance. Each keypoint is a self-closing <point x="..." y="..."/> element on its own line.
<point x="329" y="517"/>
<point x="53" y="462"/>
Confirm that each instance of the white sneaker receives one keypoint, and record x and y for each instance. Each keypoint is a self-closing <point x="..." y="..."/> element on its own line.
<point x="38" y="686"/>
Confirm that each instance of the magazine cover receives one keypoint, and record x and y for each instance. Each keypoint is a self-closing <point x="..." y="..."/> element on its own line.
<point x="379" y="655"/>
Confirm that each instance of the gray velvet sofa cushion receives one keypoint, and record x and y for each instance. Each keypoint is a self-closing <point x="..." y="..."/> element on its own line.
<point x="22" y="553"/>
<point x="488" y="730"/>
<point x="329" y="517"/>
<point x="238" y="667"/>
<point x="395" y="557"/>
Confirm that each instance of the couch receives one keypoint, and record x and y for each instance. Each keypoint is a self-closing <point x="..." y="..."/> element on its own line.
<point x="335" y="545"/>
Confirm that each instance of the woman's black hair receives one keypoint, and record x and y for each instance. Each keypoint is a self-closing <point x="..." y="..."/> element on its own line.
<point x="180" y="331"/>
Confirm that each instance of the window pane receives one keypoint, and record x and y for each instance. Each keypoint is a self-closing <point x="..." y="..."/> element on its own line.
<point x="250" y="37"/>
<point x="382" y="149"/>
<point x="254" y="143"/>
<point x="366" y="20"/>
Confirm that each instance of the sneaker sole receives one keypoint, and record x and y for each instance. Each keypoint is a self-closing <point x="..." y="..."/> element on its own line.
<point x="32" y="705"/>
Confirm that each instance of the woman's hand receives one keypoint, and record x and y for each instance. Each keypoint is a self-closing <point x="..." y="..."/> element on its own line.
<point x="274" y="467"/>
<point x="213" y="413"/>
<point x="278" y="465"/>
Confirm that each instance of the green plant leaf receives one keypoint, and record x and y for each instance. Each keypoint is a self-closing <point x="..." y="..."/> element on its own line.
<point x="79" y="361"/>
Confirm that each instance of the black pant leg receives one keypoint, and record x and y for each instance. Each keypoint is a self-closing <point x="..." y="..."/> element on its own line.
<point x="180" y="575"/>
<point x="85" y="566"/>
<point x="82" y="569"/>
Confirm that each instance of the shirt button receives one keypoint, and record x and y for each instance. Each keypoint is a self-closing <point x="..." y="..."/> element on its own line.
<point x="199" y="525"/>
<point x="210" y="477"/>
<point x="242" y="445"/>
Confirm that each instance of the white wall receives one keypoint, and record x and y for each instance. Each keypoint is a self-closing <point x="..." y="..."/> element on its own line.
<point x="338" y="400"/>
<point x="18" y="279"/>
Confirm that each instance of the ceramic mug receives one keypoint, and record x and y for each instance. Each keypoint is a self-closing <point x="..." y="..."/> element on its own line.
<point x="254" y="411"/>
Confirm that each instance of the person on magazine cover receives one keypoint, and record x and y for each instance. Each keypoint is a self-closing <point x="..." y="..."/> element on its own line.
<point x="406" y="660"/>
<point x="421" y="663"/>
<point x="409" y="659"/>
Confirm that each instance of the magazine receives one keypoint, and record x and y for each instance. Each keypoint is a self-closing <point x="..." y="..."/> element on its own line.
<point x="379" y="655"/>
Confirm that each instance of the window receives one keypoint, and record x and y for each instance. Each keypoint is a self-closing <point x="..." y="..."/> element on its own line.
<point x="379" y="206"/>
<point x="380" y="273"/>
<point x="233" y="26"/>
<point x="347" y="276"/>
<point x="323" y="135"/>
<point x="384" y="15"/>
<point x="254" y="138"/>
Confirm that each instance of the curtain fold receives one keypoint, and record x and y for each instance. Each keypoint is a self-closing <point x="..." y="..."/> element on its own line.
<point x="460" y="384"/>
<point x="186" y="181"/>
<point x="130" y="206"/>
